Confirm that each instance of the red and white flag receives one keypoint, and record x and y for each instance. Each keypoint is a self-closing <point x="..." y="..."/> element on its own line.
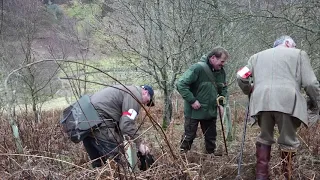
<point x="244" y="72"/>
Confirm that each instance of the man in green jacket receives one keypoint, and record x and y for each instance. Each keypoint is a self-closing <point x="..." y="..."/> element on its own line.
<point x="199" y="89"/>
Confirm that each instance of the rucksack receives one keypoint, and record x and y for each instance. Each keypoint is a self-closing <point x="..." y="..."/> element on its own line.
<point x="79" y="119"/>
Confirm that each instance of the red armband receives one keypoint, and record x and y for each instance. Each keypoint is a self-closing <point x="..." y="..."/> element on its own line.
<point x="131" y="114"/>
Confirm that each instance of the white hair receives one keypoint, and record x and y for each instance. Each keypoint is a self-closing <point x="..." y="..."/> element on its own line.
<point x="281" y="40"/>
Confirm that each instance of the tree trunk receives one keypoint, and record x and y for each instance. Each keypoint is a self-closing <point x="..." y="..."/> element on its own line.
<point x="11" y="114"/>
<point x="16" y="135"/>
<point x="35" y="110"/>
<point x="167" y="113"/>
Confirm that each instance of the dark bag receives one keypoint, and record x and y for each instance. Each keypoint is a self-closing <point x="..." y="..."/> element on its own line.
<point x="145" y="161"/>
<point x="79" y="119"/>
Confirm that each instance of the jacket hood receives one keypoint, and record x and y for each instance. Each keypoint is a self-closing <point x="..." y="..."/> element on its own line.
<point x="204" y="58"/>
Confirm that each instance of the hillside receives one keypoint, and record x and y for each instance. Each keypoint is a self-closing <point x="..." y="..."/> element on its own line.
<point x="54" y="51"/>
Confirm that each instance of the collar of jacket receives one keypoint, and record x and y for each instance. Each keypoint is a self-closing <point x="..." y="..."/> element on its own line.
<point x="139" y="88"/>
<point x="205" y="59"/>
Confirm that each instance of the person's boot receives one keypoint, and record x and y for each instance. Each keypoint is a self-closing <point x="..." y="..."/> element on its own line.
<point x="286" y="163"/>
<point x="185" y="146"/>
<point x="263" y="158"/>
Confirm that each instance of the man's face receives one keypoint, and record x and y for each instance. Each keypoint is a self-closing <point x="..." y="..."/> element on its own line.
<point x="145" y="97"/>
<point x="218" y="63"/>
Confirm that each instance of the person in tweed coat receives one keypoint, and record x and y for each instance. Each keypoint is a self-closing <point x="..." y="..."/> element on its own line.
<point x="278" y="74"/>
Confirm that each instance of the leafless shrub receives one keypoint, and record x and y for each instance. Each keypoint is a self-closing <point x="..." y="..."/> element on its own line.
<point x="50" y="155"/>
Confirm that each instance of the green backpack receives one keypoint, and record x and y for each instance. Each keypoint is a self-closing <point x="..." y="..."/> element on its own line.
<point x="79" y="119"/>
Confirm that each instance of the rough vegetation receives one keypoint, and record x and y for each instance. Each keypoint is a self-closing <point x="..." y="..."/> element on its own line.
<point x="48" y="154"/>
<point x="136" y="42"/>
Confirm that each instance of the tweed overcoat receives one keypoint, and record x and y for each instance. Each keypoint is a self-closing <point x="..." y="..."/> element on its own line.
<point x="116" y="104"/>
<point x="278" y="76"/>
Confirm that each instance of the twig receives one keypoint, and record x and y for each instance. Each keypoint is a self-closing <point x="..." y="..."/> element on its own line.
<point x="44" y="157"/>
<point x="304" y="143"/>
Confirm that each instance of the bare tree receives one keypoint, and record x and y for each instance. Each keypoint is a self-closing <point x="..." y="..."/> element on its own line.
<point x="23" y="20"/>
<point x="266" y="20"/>
<point x="164" y="37"/>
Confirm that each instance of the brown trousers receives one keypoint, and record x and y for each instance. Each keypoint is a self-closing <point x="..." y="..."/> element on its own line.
<point x="287" y="126"/>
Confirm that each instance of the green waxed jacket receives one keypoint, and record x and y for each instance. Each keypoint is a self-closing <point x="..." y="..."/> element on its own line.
<point x="194" y="85"/>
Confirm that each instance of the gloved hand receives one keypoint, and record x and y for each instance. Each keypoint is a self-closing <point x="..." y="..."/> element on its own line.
<point x="220" y="108"/>
<point x="144" y="149"/>
<point x="311" y="104"/>
<point x="313" y="112"/>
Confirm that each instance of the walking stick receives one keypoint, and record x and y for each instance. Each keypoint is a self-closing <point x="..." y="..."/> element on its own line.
<point x="243" y="139"/>
<point x="221" y="117"/>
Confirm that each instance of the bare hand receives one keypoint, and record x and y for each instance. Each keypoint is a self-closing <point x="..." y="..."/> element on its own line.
<point x="144" y="149"/>
<point x="221" y="110"/>
<point x="196" y="105"/>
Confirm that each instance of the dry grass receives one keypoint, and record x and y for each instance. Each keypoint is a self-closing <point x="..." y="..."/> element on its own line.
<point x="48" y="154"/>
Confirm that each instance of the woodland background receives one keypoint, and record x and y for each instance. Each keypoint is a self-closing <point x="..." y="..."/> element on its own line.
<point x="52" y="52"/>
